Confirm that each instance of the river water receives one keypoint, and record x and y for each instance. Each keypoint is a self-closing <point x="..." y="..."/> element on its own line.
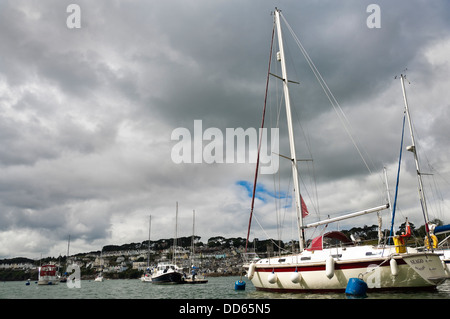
<point x="216" y="288"/>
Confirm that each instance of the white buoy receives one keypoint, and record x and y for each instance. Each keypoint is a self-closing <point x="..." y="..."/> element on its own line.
<point x="394" y="267"/>
<point x="329" y="267"/>
<point x="272" y="278"/>
<point x="296" y="277"/>
<point x="251" y="271"/>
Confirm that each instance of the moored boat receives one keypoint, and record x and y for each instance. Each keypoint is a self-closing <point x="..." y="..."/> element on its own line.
<point x="167" y="273"/>
<point x="99" y="277"/>
<point x="331" y="259"/>
<point x="47" y="275"/>
<point x="147" y="277"/>
<point x="328" y="267"/>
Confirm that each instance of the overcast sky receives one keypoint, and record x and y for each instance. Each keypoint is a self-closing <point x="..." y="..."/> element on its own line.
<point x="87" y="115"/>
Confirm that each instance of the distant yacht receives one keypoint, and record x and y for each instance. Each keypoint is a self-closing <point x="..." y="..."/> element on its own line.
<point x="47" y="275"/>
<point x="167" y="273"/>
<point x="99" y="277"/>
<point x="147" y="276"/>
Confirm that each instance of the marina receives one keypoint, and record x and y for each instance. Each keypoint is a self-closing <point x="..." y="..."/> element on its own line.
<point x="304" y="220"/>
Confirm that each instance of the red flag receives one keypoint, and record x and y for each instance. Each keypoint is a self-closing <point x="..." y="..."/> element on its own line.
<point x="304" y="208"/>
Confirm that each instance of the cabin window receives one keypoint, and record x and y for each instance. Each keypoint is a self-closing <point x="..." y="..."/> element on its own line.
<point x="305" y="258"/>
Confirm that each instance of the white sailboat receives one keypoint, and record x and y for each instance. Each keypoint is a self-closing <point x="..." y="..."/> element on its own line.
<point x="99" y="276"/>
<point x="194" y="277"/>
<point x="65" y="275"/>
<point x="332" y="260"/>
<point x="169" y="273"/>
<point x="147" y="276"/>
<point x="430" y="240"/>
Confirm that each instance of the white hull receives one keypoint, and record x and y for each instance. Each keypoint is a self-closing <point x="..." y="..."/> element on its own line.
<point x="292" y="274"/>
<point x="447" y="266"/>
<point x="99" y="279"/>
<point x="445" y="258"/>
<point x="146" y="278"/>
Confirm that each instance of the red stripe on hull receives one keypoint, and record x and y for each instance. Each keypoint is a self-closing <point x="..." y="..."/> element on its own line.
<point x="337" y="266"/>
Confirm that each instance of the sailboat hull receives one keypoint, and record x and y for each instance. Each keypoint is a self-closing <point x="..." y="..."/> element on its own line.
<point x="48" y="281"/>
<point x="319" y="274"/>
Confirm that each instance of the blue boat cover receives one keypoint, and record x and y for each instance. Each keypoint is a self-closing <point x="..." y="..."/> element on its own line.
<point x="442" y="229"/>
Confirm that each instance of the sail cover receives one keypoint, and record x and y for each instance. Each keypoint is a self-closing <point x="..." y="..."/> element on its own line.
<point x="442" y="229"/>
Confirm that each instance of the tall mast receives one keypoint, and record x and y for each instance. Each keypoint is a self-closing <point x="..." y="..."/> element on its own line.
<point x="193" y="238"/>
<point x="149" y="229"/>
<point x="290" y="129"/>
<point x="412" y="149"/>
<point x="68" y="246"/>
<point x="174" y="257"/>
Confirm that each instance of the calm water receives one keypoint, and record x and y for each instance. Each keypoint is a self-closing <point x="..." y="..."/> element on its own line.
<point x="216" y="288"/>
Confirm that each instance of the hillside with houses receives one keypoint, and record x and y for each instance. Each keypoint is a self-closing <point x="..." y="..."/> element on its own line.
<point x="217" y="257"/>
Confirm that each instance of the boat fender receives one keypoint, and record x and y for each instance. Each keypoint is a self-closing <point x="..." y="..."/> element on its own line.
<point x="356" y="287"/>
<point x="394" y="267"/>
<point x="329" y="267"/>
<point x="433" y="239"/>
<point x="296" y="277"/>
<point x="272" y="278"/>
<point x="251" y="271"/>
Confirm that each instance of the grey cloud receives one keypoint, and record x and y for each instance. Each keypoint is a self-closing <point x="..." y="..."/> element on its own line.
<point x="86" y="115"/>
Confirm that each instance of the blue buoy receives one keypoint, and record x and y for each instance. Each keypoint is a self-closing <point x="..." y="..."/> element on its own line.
<point x="239" y="285"/>
<point x="356" y="287"/>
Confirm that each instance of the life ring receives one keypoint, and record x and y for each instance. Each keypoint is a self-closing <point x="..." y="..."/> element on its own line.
<point x="434" y="239"/>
